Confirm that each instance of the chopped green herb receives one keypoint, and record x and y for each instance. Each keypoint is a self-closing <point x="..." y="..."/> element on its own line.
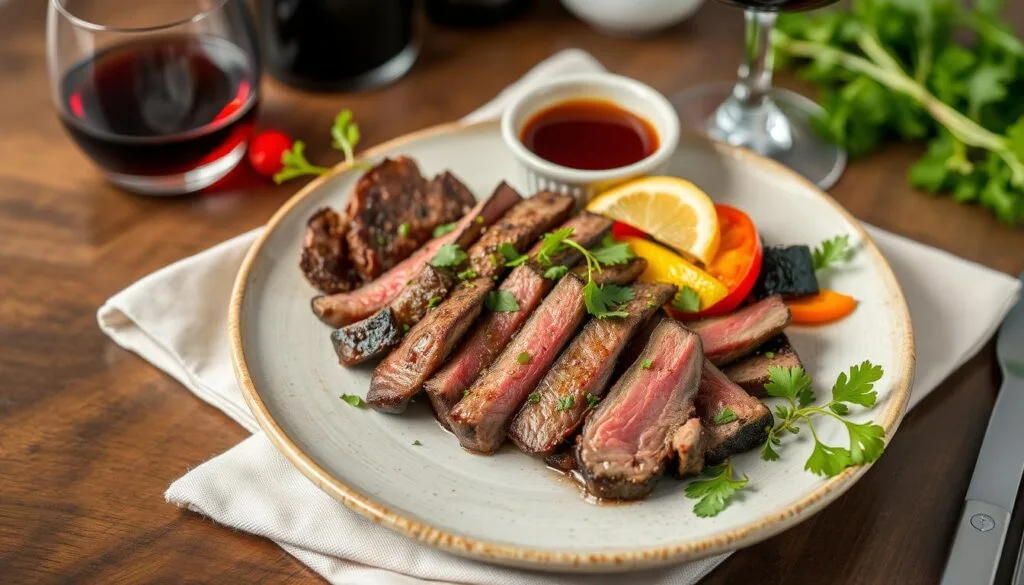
<point x="551" y="243"/>
<point x="512" y="256"/>
<point x="646" y="364"/>
<point x="714" y="492"/>
<point x="686" y="300"/>
<point x="726" y="415"/>
<point x="448" y="256"/>
<point x="444" y="228"/>
<point x="592" y="400"/>
<point x="381" y="240"/>
<point x="433" y="302"/>
<point x="403" y="230"/>
<point x="556" y="272"/>
<point x="533" y="398"/>
<point x="612" y="252"/>
<point x="295" y="164"/>
<point x="651" y="304"/>
<point x="467" y="274"/>
<point x="417" y="443"/>
<point x="524" y="357"/>
<point x="501" y="301"/>
<point x="478" y="219"/>
<point x="605" y="301"/>
<point x="345" y="135"/>
<point x="354" y="400"/>
<point x="565" y="402"/>
<point x="769" y="354"/>
<point x="465" y="393"/>
<point x="832" y="251"/>
<point x="405" y="327"/>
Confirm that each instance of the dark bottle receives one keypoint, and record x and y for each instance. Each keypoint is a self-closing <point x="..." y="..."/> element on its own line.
<point x="337" y="44"/>
<point x="470" y="13"/>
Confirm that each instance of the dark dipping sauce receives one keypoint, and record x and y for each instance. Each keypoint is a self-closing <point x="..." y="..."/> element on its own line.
<point x="590" y="135"/>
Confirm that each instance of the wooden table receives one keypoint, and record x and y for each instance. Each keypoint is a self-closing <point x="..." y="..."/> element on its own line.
<point x="91" y="435"/>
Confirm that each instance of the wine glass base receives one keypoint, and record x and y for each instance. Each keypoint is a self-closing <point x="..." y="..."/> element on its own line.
<point x="181" y="184"/>
<point x="793" y="143"/>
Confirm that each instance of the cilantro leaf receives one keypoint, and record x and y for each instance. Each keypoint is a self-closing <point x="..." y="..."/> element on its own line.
<point x="726" y="415"/>
<point x="827" y="461"/>
<point x="556" y="272"/>
<point x="551" y="243"/>
<point x="867" y="441"/>
<point x="512" y="256"/>
<point x="444" y="228"/>
<point x="417" y="443"/>
<point x="448" y="256"/>
<point x="857" y="388"/>
<point x="792" y="383"/>
<point x="768" y="452"/>
<point x="646" y="364"/>
<point x="715" y="490"/>
<point x="294" y="164"/>
<point x="501" y="301"/>
<point x="686" y="300"/>
<point x="832" y="251"/>
<point x="612" y="252"/>
<point x="592" y="400"/>
<point x="345" y="134"/>
<point x="433" y="301"/>
<point x="354" y="400"/>
<point x="604" y="301"/>
<point x="467" y="274"/>
<point x="565" y="402"/>
<point x="524" y="357"/>
<point x="534" y="397"/>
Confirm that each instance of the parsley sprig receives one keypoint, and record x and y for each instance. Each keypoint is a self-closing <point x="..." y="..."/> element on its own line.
<point x="344" y="135"/>
<point x="867" y="440"/>
<point x="832" y="251"/>
<point x="716" y="488"/>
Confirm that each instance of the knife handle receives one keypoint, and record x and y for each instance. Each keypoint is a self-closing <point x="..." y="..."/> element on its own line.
<point x="977" y="545"/>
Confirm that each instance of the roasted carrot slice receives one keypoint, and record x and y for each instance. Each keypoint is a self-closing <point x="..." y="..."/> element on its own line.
<point x="824" y="307"/>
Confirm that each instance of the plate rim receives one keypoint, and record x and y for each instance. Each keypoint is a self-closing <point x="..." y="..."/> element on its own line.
<point x="562" y="560"/>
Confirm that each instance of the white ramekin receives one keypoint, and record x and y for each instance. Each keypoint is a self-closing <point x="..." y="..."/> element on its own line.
<point x="542" y="175"/>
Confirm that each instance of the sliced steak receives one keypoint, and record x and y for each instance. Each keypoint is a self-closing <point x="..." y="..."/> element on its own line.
<point x="753" y="419"/>
<point x="562" y="459"/>
<point x="494" y="330"/>
<point x="402" y="373"/>
<point x="342" y="309"/>
<point x="688" y="444"/>
<point x="733" y="336"/>
<point x="480" y="418"/>
<point x="324" y="260"/>
<point x="751" y="372"/>
<point x="393" y="194"/>
<point x="581" y="372"/>
<point x="626" y="443"/>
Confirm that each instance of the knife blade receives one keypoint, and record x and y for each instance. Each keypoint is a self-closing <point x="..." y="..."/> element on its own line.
<point x="979" y="538"/>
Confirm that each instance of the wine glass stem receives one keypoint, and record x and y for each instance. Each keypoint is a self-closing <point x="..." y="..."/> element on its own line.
<point x="755" y="72"/>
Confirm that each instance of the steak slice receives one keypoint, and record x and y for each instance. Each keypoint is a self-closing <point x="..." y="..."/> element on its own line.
<point x="748" y="430"/>
<point x="342" y="309"/>
<point x="626" y="443"/>
<point x="402" y="373"/>
<point x="733" y="336"/>
<point x="393" y="194"/>
<point x="688" y="444"/>
<point x="494" y="330"/>
<point x="751" y="372"/>
<point x="490" y="402"/>
<point x="583" y="370"/>
<point x="562" y="459"/>
<point x="324" y="260"/>
<point x="480" y="418"/>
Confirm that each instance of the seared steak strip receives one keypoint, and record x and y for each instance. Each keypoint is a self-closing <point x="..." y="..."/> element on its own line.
<point x="402" y="373"/>
<point x="748" y="430"/>
<point x="581" y="372"/>
<point x="324" y="260"/>
<point x="375" y="336"/>
<point x="751" y="372"/>
<point x="528" y="285"/>
<point x="480" y="419"/>
<point x="626" y="443"/>
<point x="735" y="335"/>
<point x="563" y="458"/>
<point x="342" y="309"/>
<point x="688" y="444"/>
<point x="393" y="194"/>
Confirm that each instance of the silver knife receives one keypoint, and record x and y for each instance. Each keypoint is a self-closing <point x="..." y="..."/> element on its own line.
<point x="979" y="538"/>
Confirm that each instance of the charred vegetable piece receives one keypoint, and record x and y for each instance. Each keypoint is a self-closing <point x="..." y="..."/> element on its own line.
<point x="788" y="272"/>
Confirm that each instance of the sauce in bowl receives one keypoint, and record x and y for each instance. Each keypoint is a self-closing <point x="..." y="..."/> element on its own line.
<point x="590" y="135"/>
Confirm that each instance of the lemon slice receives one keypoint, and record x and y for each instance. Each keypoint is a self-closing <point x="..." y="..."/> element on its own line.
<point x="669" y="209"/>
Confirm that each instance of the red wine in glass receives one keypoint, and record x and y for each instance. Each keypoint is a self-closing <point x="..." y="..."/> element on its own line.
<point x="779" y="5"/>
<point x="161" y="106"/>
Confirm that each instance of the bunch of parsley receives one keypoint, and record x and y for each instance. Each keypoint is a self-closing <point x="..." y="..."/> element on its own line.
<point x="916" y="70"/>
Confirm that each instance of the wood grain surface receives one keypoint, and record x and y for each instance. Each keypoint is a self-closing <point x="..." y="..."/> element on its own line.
<point x="91" y="435"/>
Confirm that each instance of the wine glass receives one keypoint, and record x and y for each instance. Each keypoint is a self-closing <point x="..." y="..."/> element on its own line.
<point x="161" y="95"/>
<point x="773" y="122"/>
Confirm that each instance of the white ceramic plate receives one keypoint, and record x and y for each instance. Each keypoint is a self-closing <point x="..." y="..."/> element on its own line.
<point x="509" y="508"/>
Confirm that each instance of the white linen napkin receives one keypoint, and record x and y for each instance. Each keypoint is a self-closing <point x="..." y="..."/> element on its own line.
<point x="252" y="487"/>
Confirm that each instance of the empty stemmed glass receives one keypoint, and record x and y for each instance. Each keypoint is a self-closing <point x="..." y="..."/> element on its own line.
<point x="770" y="121"/>
<point x="164" y="99"/>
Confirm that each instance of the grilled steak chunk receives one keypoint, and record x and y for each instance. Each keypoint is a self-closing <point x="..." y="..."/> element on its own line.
<point x="393" y="194"/>
<point x="402" y="373"/>
<point x="626" y="443"/>
<point x="562" y="459"/>
<point x="353" y="343"/>
<point x="733" y="336"/>
<point x="753" y="419"/>
<point x="480" y="418"/>
<point x="581" y="372"/>
<point x="324" y="260"/>
<point x="342" y="309"/>
<point x="528" y="285"/>
<point x="487" y="407"/>
<point x="688" y="446"/>
<point x="751" y="372"/>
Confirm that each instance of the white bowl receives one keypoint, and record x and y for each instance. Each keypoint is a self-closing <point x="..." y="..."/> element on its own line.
<point x="629" y="94"/>
<point x="632" y="17"/>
